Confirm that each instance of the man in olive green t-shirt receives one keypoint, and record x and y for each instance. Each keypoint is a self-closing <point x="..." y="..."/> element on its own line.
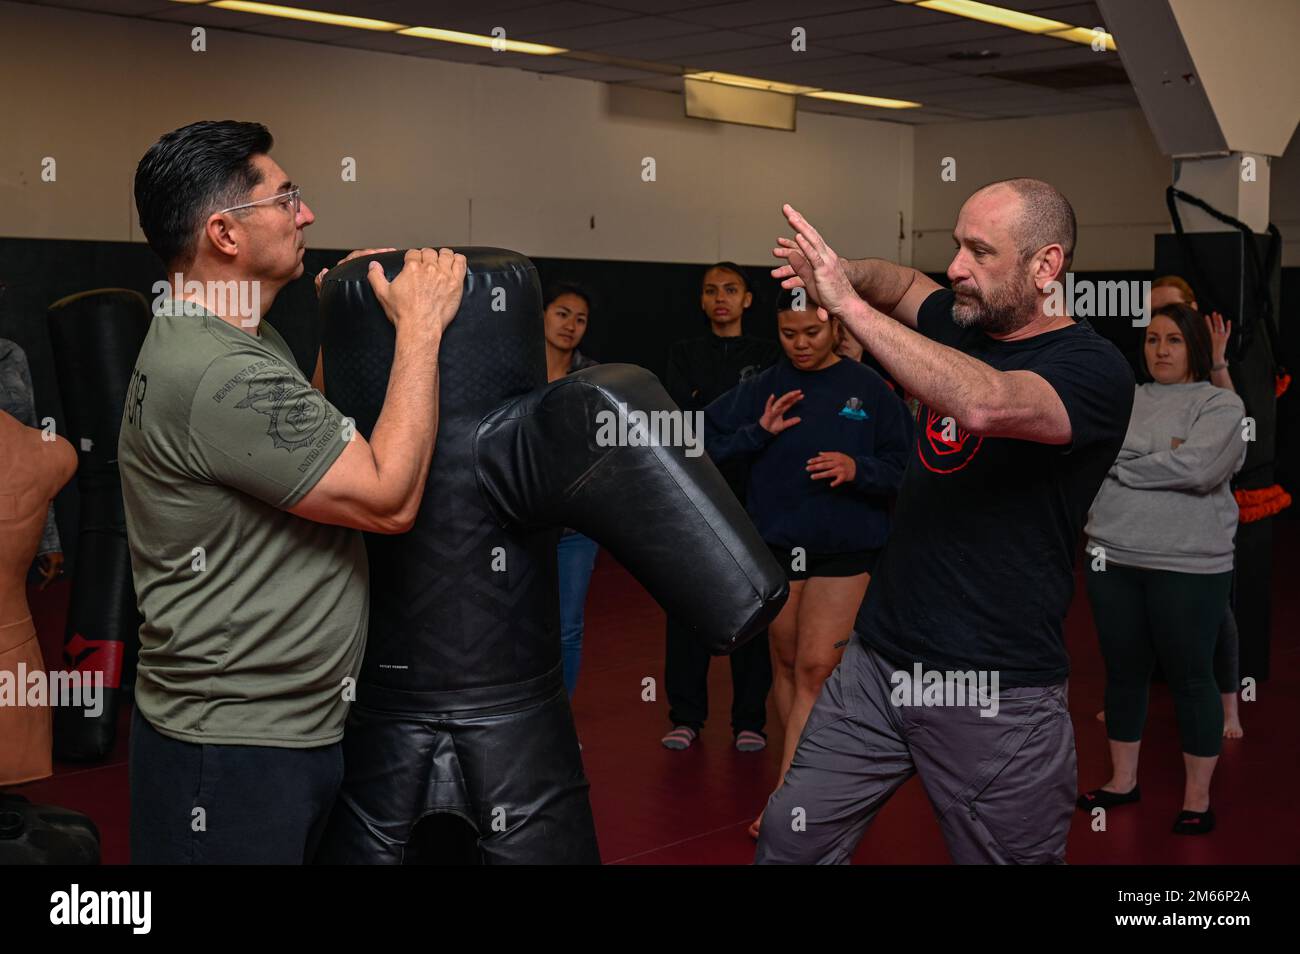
<point x="245" y="494"/>
<point x="221" y="435"/>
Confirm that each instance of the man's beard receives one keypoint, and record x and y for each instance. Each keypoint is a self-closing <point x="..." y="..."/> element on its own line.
<point x="1002" y="311"/>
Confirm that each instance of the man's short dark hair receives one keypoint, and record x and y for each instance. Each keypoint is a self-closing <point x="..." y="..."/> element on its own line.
<point x="190" y="173"/>
<point x="1046" y="218"/>
<point x="730" y="267"/>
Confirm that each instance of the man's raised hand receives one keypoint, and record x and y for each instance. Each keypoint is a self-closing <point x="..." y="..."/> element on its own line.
<point x="813" y="265"/>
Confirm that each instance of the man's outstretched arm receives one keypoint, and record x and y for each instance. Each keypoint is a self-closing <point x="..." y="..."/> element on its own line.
<point x="980" y="398"/>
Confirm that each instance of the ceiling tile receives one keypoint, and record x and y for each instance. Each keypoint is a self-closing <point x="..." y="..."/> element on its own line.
<point x="765" y="53"/>
<point x="603" y="37"/>
<point x="914" y="89"/>
<point x="1068" y="54"/>
<point x="659" y="6"/>
<point x="297" y="30"/>
<point x="421" y="12"/>
<point x="1042" y="8"/>
<point x="896" y="74"/>
<point x="528" y="21"/>
<point x="1076" y="14"/>
<point x="938" y="54"/>
<point x="695" y="46"/>
<point x="207" y="16"/>
<point x="928" y="117"/>
<point x="810" y="72"/>
<point x="890" y="17"/>
<point x="746" y="13"/>
<point x="121" y="7"/>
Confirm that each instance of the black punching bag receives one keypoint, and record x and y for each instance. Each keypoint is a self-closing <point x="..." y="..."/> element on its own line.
<point x="95" y="337"/>
<point x="460" y="707"/>
<point x="441" y="618"/>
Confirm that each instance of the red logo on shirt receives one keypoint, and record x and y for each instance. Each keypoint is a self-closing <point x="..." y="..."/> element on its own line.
<point x="944" y="447"/>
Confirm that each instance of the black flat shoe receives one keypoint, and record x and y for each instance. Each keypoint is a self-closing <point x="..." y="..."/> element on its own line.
<point x="1194" y="823"/>
<point x="1100" y="798"/>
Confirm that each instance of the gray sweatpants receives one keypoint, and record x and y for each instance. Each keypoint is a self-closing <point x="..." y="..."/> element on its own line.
<point x="1002" y="786"/>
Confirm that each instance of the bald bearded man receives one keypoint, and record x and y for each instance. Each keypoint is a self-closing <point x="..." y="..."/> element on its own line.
<point x="957" y="668"/>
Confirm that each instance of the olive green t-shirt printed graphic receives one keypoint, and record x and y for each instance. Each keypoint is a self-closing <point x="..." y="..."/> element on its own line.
<point x="254" y="618"/>
<point x="296" y="418"/>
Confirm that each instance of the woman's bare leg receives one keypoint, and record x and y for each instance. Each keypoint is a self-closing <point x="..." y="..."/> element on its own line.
<point x="826" y="613"/>
<point x="1196" y="791"/>
<point x="1123" y="767"/>
<point x="782" y="637"/>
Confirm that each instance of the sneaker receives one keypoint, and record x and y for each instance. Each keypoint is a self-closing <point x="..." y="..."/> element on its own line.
<point x="748" y="741"/>
<point x="680" y="737"/>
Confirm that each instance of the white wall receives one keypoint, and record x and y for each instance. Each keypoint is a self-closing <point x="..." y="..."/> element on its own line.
<point x="446" y="153"/>
<point x="1106" y="163"/>
<point x="451" y="153"/>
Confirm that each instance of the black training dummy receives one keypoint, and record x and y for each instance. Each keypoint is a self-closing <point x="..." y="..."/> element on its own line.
<point x="95" y="337"/>
<point x="460" y="705"/>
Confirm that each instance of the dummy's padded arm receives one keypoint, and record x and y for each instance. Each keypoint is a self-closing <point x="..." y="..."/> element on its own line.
<point x="664" y="512"/>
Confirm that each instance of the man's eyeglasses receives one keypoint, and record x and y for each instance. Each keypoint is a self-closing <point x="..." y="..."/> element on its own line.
<point x="290" y="200"/>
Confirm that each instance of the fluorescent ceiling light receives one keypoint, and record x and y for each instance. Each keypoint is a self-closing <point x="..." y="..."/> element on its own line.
<point x="1014" y="20"/>
<point x="986" y="12"/>
<point x="772" y="86"/>
<point x="384" y="26"/>
<point x="311" y="16"/>
<point x="478" y="39"/>
<point x="860" y="100"/>
<point x="1085" y="36"/>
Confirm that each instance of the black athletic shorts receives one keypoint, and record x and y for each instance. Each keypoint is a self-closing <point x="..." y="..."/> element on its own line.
<point x="825" y="564"/>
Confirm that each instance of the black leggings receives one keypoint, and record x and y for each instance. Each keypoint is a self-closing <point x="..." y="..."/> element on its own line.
<point x="1227" y="655"/>
<point x="1144" y="615"/>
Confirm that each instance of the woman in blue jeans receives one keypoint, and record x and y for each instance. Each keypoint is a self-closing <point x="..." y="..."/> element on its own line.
<point x="567" y="308"/>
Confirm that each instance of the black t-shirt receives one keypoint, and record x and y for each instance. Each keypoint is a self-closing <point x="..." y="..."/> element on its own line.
<point x="979" y="568"/>
<point x="701" y="370"/>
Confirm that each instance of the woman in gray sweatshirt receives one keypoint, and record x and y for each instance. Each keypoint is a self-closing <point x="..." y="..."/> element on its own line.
<point x="1160" y="546"/>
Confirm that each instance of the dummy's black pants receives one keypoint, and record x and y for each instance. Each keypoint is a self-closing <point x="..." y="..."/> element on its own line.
<point x="506" y="762"/>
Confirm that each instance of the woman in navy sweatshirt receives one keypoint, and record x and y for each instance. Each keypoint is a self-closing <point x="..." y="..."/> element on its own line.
<point x="819" y="492"/>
